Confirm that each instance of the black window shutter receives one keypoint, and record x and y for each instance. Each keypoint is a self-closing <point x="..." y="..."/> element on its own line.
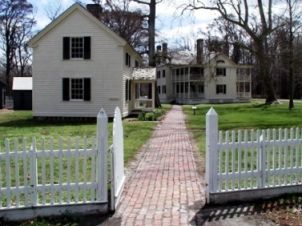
<point x="87" y="48"/>
<point x="126" y="90"/>
<point x="126" y="59"/>
<point x="150" y="91"/>
<point x="129" y="89"/>
<point x="87" y="89"/>
<point x="66" y="48"/>
<point x="66" y="89"/>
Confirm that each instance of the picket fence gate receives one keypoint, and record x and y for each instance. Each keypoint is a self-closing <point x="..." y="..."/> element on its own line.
<point x="251" y="164"/>
<point x="46" y="177"/>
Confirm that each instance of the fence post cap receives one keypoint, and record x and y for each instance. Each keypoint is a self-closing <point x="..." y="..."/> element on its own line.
<point x="102" y="113"/>
<point x="212" y="112"/>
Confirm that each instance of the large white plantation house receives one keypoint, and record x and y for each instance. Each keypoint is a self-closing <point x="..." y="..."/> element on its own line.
<point x="186" y="78"/>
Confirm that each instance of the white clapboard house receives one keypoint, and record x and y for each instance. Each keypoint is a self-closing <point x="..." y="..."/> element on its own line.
<point x="80" y="65"/>
<point x="187" y="78"/>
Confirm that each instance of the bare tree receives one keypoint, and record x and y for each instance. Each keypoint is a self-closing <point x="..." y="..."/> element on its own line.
<point x="258" y="26"/>
<point x="54" y="9"/>
<point x="23" y="53"/>
<point x="294" y="10"/>
<point x="151" y="27"/>
<point x="130" y="25"/>
<point x="13" y="13"/>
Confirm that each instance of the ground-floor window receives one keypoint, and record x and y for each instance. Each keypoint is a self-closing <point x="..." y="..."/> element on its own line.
<point x="158" y="89"/>
<point x="164" y="89"/>
<point x="221" y="89"/>
<point x="76" y="89"/>
<point x="143" y="91"/>
<point x="243" y="87"/>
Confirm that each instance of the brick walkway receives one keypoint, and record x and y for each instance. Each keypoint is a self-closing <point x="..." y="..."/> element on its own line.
<point x="165" y="188"/>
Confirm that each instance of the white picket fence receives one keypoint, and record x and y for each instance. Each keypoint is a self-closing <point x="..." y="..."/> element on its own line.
<point x="251" y="164"/>
<point x="44" y="177"/>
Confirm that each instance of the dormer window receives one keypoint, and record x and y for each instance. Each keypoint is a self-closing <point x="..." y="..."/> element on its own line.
<point x="76" y="48"/>
<point x="220" y="72"/>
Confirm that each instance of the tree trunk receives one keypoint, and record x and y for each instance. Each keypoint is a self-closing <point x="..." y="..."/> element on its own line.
<point x="291" y="58"/>
<point x="265" y="73"/>
<point x="151" y="30"/>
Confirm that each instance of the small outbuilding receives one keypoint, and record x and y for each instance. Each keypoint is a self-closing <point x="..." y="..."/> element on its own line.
<point x="22" y="93"/>
<point x="2" y="95"/>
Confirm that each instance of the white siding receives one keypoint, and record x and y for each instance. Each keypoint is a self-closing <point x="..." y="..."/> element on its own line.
<point x="104" y="68"/>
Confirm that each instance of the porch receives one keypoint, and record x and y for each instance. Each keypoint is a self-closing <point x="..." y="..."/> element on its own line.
<point x="143" y="89"/>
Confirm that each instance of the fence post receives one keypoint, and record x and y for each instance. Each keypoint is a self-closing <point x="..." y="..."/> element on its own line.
<point x="261" y="161"/>
<point x="211" y="151"/>
<point x="102" y="145"/>
<point x="33" y="173"/>
<point x="118" y="175"/>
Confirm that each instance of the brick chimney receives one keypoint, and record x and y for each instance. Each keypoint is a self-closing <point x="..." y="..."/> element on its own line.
<point x="95" y="9"/>
<point x="199" y="51"/>
<point x="164" y="52"/>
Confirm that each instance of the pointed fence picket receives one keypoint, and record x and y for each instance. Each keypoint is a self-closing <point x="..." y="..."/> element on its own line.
<point x="59" y="175"/>
<point x="245" y="161"/>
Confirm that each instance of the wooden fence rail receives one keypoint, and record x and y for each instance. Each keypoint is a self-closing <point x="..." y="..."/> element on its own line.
<point x="240" y="163"/>
<point x="44" y="176"/>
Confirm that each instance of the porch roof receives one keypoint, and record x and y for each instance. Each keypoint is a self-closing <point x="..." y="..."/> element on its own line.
<point x="144" y="74"/>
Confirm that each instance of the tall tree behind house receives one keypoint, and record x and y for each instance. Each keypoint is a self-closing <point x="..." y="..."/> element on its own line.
<point x="16" y="17"/>
<point x="258" y="26"/>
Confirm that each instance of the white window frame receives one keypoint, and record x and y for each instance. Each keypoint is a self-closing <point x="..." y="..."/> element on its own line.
<point x="70" y="89"/>
<point x="223" y="91"/>
<point x="75" y="58"/>
<point x="221" y="68"/>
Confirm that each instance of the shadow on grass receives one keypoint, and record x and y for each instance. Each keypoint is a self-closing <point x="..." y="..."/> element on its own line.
<point x="69" y="220"/>
<point x="215" y="213"/>
<point x="34" y="123"/>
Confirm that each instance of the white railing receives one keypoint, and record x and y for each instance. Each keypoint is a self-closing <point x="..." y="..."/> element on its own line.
<point x="48" y="174"/>
<point x="250" y="160"/>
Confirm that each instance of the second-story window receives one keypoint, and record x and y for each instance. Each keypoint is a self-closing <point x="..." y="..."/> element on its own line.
<point x="158" y="74"/>
<point x="164" y="73"/>
<point x="220" y="71"/>
<point x="128" y="59"/>
<point x="76" y="48"/>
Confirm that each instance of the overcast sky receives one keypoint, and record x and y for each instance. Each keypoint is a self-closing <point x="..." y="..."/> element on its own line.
<point x="170" y="24"/>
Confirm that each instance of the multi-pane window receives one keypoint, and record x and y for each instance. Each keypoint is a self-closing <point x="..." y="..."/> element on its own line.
<point x="220" y="89"/>
<point x="77" y="47"/>
<point x="220" y="71"/>
<point x="77" y="89"/>
<point x="164" y="73"/>
<point x="158" y="74"/>
<point x="158" y="89"/>
<point x="164" y="89"/>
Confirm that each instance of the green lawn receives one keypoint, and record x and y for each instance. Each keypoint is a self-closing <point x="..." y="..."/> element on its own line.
<point x="20" y="124"/>
<point x="238" y="116"/>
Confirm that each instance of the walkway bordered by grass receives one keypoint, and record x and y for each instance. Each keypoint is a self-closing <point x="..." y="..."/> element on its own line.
<point x="165" y="188"/>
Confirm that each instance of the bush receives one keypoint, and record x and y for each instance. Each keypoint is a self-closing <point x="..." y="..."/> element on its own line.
<point x="150" y="116"/>
<point x="141" y="116"/>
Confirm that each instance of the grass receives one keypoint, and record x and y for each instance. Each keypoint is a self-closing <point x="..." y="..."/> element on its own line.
<point x="20" y="124"/>
<point x="238" y="116"/>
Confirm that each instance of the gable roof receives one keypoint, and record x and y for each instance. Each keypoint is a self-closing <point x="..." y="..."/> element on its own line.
<point x="22" y="83"/>
<point x="66" y="13"/>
